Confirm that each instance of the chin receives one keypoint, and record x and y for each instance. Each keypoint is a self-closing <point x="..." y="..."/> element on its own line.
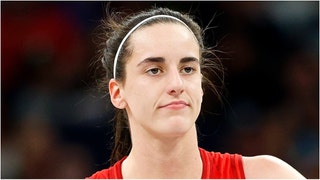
<point x="177" y="127"/>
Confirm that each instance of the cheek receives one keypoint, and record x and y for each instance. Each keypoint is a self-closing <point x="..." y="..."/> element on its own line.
<point x="195" y="92"/>
<point x="198" y="92"/>
<point x="138" y="94"/>
<point x="200" y="95"/>
<point x="196" y="87"/>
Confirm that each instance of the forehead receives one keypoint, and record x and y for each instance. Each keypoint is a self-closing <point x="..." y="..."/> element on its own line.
<point x="163" y="35"/>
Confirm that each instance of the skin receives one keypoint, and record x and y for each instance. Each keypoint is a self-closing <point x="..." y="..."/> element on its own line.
<point x="162" y="95"/>
<point x="268" y="167"/>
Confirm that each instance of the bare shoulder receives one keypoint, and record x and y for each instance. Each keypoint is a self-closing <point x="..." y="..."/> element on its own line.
<point x="266" y="166"/>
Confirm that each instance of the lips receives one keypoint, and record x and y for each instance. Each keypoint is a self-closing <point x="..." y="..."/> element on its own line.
<point x="175" y="105"/>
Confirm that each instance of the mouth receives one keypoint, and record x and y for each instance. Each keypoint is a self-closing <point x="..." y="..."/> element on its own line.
<point x="175" y="105"/>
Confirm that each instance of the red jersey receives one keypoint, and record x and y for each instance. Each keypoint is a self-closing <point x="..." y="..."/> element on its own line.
<point x="215" y="166"/>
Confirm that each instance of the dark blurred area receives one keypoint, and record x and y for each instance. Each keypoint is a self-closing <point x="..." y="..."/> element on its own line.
<point x="55" y="124"/>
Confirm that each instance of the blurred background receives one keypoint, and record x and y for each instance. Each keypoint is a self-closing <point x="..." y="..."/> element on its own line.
<point x="55" y="124"/>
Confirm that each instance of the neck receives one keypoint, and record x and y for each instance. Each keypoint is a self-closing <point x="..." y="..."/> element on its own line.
<point x="171" y="157"/>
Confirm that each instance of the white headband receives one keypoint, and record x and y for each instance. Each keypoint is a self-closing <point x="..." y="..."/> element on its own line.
<point x="133" y="29"/>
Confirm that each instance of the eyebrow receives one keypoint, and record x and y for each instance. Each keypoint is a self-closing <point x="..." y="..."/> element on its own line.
<point x="152" y="60"/>
<point x="188" y="59"/>
<point x="161" y="60"/>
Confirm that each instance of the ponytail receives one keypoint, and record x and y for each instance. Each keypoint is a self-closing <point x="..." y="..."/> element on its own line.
<point x="122" y="138"/>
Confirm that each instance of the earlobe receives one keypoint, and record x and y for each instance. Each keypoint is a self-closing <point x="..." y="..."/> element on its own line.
<point x="115" y="94"/>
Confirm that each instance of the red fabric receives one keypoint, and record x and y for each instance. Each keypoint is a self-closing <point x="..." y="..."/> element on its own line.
<point x="113" y="172"/>
<point x="225" y="166"/>
<point x="215" y="166"/>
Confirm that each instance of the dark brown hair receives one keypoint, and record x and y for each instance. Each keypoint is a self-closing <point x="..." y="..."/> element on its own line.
<point x="113" y="28"/>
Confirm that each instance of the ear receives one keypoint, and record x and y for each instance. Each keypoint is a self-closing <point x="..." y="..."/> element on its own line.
<point x="115" y="94"/>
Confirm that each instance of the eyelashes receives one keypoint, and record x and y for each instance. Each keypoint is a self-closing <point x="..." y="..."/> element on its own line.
<point x="188" y="70"/>
<point x="154" y="71"/>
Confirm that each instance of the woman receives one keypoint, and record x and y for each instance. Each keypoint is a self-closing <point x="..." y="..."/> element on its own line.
<point x="156" y="67"/>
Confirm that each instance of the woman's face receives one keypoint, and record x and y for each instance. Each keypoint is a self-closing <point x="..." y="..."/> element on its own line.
<point x="162" y="90"/>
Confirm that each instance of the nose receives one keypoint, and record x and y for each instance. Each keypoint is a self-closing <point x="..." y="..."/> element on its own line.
<point x="175" y="83"/>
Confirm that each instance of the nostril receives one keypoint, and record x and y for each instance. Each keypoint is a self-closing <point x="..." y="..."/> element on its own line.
<point x="172" y="92"/>
<point x="176" y="91"/>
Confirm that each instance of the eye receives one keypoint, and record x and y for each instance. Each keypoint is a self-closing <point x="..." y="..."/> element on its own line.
<point x="154" y="71"/>
<point x="188" y="70"/>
